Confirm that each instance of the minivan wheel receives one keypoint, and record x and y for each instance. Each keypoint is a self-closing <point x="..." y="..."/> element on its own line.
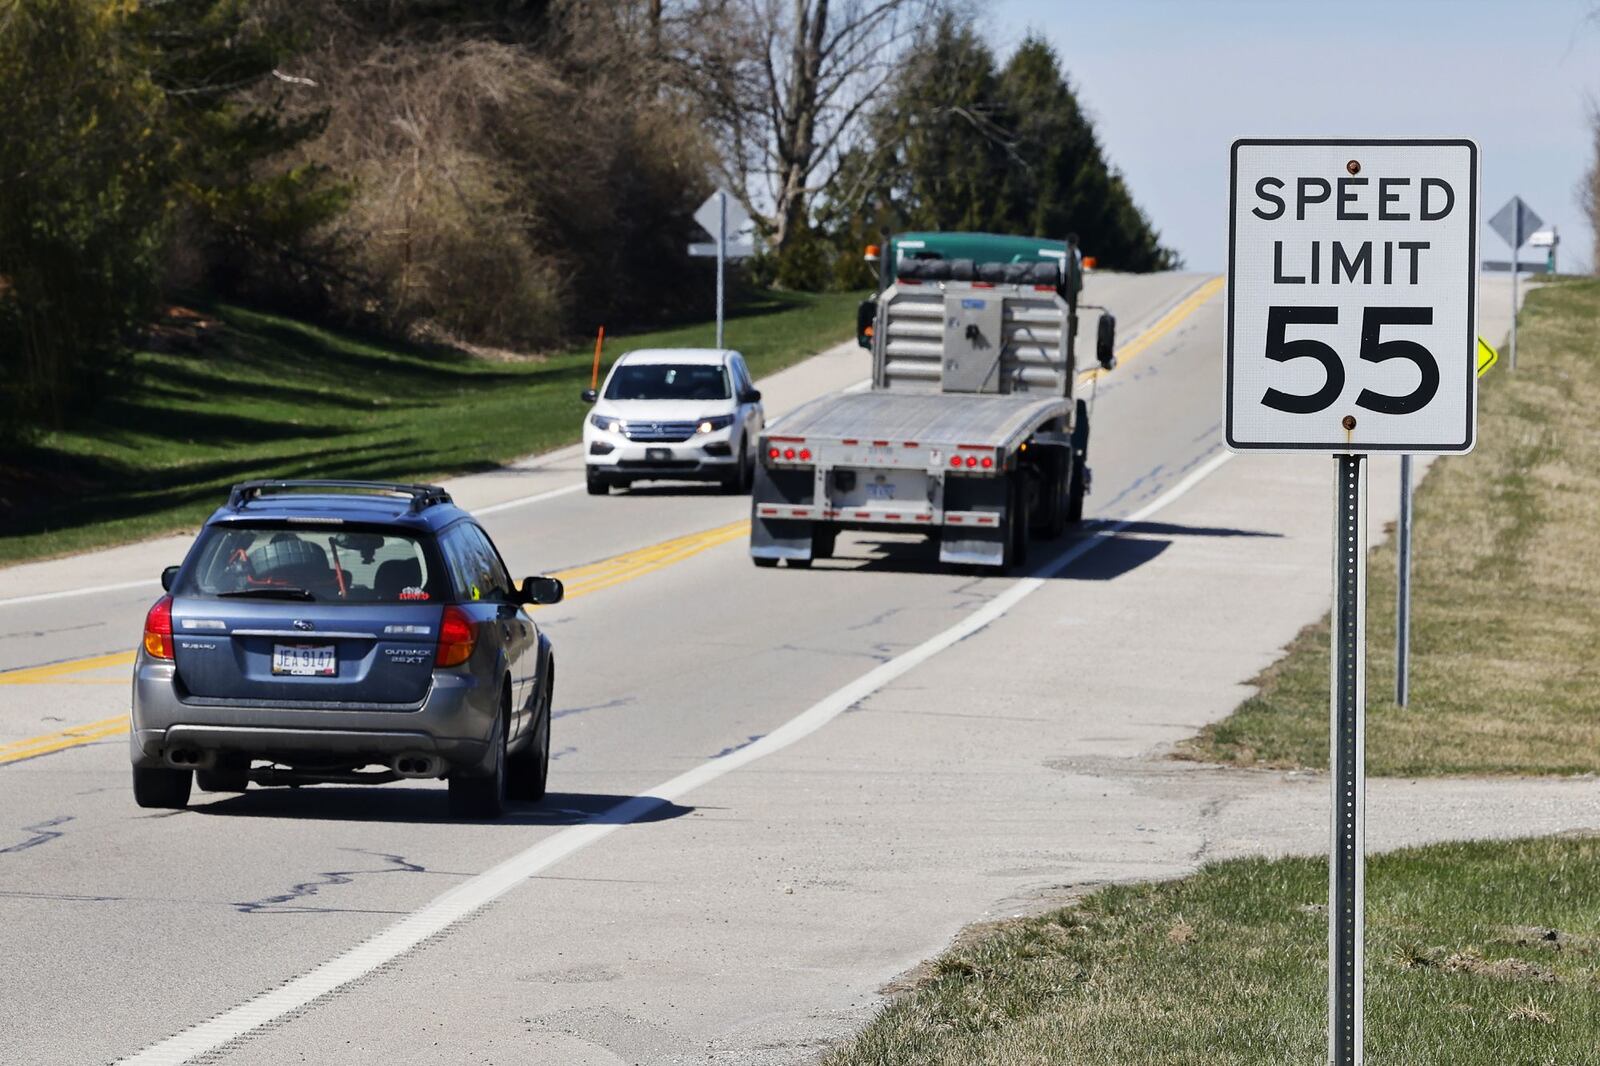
<point x="482" y="796"/>
<point x="157" y="786"/>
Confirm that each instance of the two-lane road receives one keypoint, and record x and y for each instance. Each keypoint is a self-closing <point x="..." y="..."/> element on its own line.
<point x="125" y="927"/>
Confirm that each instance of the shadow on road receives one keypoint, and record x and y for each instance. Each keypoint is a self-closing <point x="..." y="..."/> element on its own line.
<point x="1123" y="551"/>
<point x="409" y="803"/>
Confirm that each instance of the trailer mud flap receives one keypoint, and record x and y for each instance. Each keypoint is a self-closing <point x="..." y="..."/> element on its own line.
<point x="780" y="538"/>
<point x="973" y="547"/>
<point x="968" y="544"/>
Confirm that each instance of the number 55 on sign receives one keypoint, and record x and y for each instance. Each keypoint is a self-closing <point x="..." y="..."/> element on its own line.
<point x="1352" y="295"/>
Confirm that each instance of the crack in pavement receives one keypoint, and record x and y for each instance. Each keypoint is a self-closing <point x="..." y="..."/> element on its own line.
<point x="330" y="879"/>
<point x="43" y="833"/>
<point x="620" y="701"/>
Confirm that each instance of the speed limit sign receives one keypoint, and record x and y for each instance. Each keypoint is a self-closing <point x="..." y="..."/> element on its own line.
<point x="1352" y="285"/>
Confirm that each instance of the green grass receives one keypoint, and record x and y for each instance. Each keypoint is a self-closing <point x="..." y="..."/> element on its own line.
<point x="1505" y="590"/>
<point x="273" y="397"/>
<point x="1481" y="954"/>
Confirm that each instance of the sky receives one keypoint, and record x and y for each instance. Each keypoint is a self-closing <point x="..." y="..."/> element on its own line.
<point x="1171" y="83"/>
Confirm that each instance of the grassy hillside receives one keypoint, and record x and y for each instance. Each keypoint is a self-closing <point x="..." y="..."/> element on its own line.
<point x="265" y="396"/>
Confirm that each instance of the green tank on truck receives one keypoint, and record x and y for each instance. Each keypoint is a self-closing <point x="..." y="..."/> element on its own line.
<point x="970" y="434"/>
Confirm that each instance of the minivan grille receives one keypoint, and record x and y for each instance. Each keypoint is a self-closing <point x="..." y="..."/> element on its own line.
<point x="670" y="432"/>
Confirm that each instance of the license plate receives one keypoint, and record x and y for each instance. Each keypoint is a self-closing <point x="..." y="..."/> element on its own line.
<point x="876" y="491"/>
<point x="304" y="660"/>
<point x="658" y="455"/>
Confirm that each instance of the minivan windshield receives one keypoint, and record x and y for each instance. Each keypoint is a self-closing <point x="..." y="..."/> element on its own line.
<point x="325" y="564"/>
<point x="668" y="381"/>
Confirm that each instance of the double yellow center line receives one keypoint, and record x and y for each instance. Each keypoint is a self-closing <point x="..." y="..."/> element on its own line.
<point x="1161" y="327"/>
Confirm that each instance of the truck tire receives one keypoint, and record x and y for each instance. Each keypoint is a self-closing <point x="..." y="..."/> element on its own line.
<point x="1016" y="553"/>
<point x="1079" y="485"/>
<point x="1075" y="492"/>
<point x="823" y="541"/>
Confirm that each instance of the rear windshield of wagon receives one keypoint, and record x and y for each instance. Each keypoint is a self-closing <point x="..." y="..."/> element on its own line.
<point x="313" y="562"/>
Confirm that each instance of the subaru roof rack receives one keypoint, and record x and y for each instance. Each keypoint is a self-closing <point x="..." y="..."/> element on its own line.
<point x="422" y="496"/>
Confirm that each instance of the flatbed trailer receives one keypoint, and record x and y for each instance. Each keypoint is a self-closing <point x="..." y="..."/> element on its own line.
<point x="970" y="434"/>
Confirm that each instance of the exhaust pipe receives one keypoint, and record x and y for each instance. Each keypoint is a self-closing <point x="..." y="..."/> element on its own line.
<point x="416" y="764"/>
<point x="190" y="758"/>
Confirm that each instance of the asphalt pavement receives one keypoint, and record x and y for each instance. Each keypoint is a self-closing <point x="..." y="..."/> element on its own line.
<point x="772" y="790"/>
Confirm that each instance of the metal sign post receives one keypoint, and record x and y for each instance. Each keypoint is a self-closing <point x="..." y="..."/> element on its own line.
<point x="1515" y="222"/>
<point x="1402" y="629"/>
<point x="1347" y="759"/>
<point x="1352" y="314"/>
<point x="720" y="216"/>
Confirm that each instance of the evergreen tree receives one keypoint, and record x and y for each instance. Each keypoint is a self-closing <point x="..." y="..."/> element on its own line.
<point x="962" y="144"/>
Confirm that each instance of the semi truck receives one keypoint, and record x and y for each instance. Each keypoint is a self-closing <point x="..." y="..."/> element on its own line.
<point x="970" y="433"/>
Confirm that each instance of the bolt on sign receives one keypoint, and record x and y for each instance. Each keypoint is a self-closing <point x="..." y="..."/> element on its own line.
<point x="1352" y="285"/>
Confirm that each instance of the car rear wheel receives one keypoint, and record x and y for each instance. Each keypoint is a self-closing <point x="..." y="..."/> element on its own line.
<point x="484" y="795"/>
<point x="530" y="768"/>
<point x="230" y="774"/>
<point x="157" y="786"/>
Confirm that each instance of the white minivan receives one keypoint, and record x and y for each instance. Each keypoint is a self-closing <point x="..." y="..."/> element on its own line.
<point x="673" y="414"/>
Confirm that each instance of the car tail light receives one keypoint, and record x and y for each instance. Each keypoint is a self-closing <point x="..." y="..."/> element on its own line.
<point x="457" y="638"/>
<point x="158" y="629"/>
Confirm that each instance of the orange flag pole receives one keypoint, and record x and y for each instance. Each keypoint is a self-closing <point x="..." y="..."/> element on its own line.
<point x="594" y="376"/>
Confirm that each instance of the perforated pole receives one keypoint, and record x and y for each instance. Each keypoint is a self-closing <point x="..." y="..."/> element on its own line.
<point x="1402" y="629"/>
<point x="1347" y="763"/>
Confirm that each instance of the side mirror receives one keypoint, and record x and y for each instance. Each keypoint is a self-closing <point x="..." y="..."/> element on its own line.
<point x="1105" y="342"/>
<point x="753" y="396"/>
<point x="541" y="591"/>
<point x="866" y="321"/>
<point x="590" y="396"/>
<point x="168" y="577"/>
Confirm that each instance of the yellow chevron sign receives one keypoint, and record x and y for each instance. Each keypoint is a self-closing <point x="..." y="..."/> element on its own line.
<point x="1487" y="356"/>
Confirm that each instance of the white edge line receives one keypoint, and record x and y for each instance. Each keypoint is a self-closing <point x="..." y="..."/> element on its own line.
<point x="524" y="501"/>
<point x="451" y="907"/>
<point x="16" y="601"/>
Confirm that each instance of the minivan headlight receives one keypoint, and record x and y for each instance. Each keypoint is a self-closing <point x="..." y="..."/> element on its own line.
<point x="607" y="423"/>
<point x="711" y="425"/>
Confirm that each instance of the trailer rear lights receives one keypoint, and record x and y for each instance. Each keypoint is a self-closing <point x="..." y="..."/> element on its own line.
<point x="773" y="453"/>
<point x="988" y="462"/>
<point x="972" y="461"/>
<point x="805" y="455"/>
<point x="788" y="453"/>
<point x="955" y="460"/>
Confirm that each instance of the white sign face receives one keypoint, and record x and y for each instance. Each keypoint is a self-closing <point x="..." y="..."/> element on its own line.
<point x="1352" y="295"/>
<point x="709" y="214"/>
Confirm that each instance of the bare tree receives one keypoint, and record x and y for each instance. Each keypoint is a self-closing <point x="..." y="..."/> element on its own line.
<point x="783" y="84"/>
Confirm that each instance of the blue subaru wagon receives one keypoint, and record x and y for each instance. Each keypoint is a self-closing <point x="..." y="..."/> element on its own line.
<point x="349" y="632"/>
